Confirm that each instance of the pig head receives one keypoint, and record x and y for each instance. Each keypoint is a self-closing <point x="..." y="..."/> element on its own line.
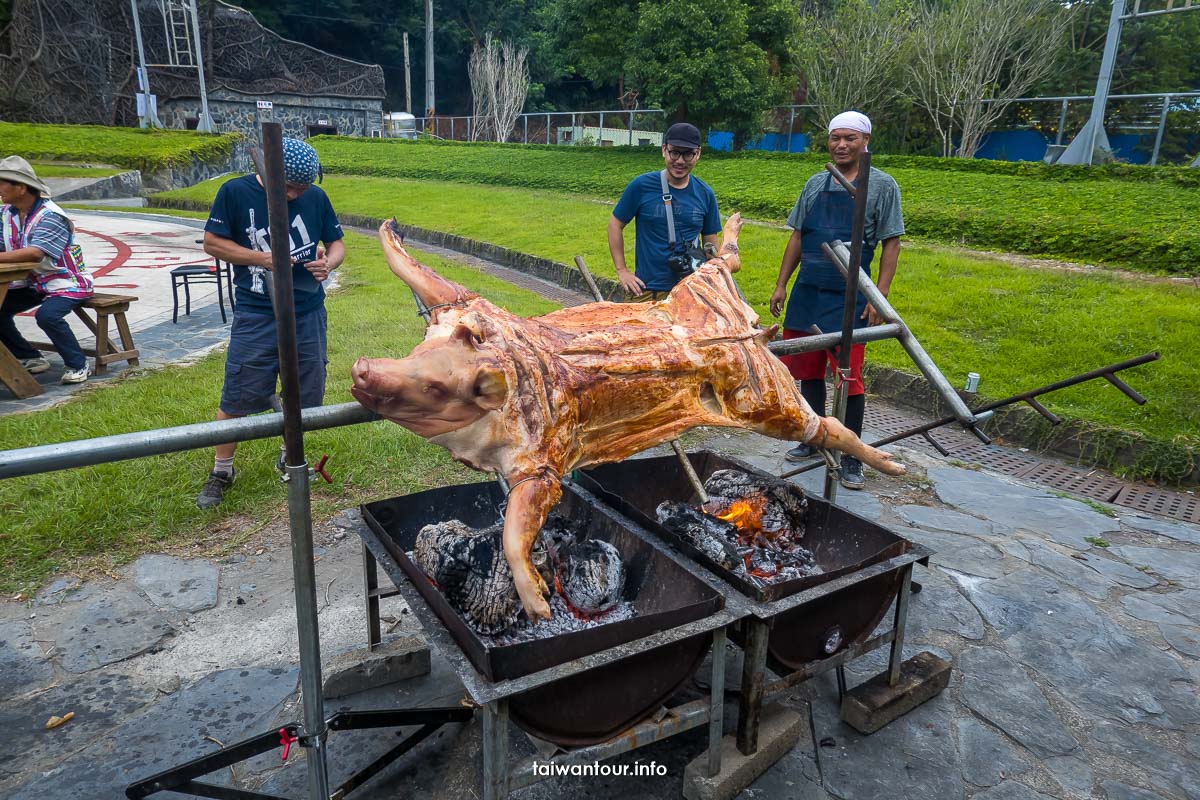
<point x="531" y="399"/>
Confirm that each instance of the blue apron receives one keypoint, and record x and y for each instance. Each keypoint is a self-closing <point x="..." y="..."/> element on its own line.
<point x="819" y="293"/>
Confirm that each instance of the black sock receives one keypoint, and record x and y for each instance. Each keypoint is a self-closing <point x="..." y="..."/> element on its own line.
<point x="814" y="395"/>
<point x="856" y="408"/>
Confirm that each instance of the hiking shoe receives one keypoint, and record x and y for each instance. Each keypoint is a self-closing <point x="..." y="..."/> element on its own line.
<point x="852" y="474"/>
<point x="76" y="375"/>
<point x="214" y="490"/>
<point x="35" y="366"/>
<point x="800" y="452"/>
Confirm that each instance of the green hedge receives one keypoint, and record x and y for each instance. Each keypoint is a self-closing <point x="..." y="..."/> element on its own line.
<point x="137" y="148"/>
<point x="1144" y="224"/>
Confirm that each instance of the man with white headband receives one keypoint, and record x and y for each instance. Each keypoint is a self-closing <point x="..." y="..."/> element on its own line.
<point x="825" y="212"/>
<point x="238" y="232"/>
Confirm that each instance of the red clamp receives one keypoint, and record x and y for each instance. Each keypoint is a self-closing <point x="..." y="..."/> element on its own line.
<point x="287" y="739"/>
<point x="319" y="468"/>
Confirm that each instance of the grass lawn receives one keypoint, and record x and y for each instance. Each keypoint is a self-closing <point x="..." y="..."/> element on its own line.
<point x="1019" y="328"/>
<point x="51" y="170"/>
<point x="136" y="148"/>
<point x="1143" y="219"/>
<point x="118" y="511"/>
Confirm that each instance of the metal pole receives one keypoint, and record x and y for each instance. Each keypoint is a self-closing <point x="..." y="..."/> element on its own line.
<point x="124" y="446"/>
<point x="299" y="510"/>
<point x="854" y="271"/>
<point x="600" y="138"/>
<point x="429" y="88"/>
<point x="547" y="129"/>
<point x="716" y="702"/>
<point x="205" y="123"/>
<point x="791" y="124"/>
<point x="407" y="77"/>
<point x="525" y="138"/>
<point x="149" y="119"/>
<point x="1162" y="124"/>
<point x="1062" y="122"/>
<point x="630" y="128"/>
<point x="1082" y="150"/>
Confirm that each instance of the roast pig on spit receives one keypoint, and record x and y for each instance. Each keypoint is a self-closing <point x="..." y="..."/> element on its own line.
<point x="532" y="399"/>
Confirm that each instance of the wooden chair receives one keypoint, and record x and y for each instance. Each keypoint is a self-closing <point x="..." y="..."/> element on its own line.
<point x="105" y="351"/>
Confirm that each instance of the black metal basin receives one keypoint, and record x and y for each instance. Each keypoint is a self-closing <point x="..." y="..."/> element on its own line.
<point x="842" y="542"/>
<point x="595" y="705"/>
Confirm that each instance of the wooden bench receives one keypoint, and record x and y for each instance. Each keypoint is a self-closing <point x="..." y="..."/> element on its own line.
<point x="105" y="351"/>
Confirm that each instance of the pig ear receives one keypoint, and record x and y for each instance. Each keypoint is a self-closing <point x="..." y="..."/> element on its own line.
<point x="491" y="388"/>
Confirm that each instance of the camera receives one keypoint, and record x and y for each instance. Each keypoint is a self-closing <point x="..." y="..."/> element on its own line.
<point x="685" y="259"/>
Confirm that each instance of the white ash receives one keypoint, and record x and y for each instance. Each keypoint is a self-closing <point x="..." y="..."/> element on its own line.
<point x="561" y="621"/>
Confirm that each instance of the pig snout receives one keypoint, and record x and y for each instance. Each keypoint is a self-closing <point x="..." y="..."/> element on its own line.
<point x="361" y="372"/>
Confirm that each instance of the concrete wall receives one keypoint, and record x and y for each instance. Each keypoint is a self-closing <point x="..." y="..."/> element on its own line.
<point x="234" y="111"/>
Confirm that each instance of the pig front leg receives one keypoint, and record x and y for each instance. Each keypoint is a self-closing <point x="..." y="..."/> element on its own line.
<point x="529" y="503"/>
<point x="431" y="288"/>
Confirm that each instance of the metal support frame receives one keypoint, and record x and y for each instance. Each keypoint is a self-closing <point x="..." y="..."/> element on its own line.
<point x="500" y="776"/>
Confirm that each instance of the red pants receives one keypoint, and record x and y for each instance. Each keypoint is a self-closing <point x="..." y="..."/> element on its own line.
<point x="812" y="366"/>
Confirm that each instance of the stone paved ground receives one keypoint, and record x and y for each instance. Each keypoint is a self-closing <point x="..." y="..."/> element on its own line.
<point x="1075" y="664"/>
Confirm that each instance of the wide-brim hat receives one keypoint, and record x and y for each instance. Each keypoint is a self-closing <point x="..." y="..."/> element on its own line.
<point x="15" y="169"/>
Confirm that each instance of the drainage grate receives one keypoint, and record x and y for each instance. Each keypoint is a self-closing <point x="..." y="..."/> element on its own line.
<point x="1160" y="501"/>
<point x="995" y="457"/>
<point x="1094" y="483"/>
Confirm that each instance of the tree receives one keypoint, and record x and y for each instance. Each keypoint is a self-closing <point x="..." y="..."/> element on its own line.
<point x="850" y="53"/>
<point x="967" y="51"/>
<point x="593" y="37"/>
<point x="694" y="59"/>
<point x="499" y="85"/>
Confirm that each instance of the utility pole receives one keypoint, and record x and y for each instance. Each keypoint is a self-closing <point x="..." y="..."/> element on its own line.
<point x="430" y="105"/>
<point x="407" y="78"/>
<point x="149" y="116"/>
<point x="205" y="123"/>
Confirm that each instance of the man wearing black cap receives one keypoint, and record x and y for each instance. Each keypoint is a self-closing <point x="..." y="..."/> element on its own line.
<point x="674" y="211"/>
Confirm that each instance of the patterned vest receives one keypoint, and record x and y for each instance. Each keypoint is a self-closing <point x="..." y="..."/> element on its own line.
<point x="63" y="274"/>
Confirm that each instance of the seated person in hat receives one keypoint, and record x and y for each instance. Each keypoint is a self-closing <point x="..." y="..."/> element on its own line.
<point x="238" y="232"/>
<point x="662" y="260"/>
<point x="34" y="229"/>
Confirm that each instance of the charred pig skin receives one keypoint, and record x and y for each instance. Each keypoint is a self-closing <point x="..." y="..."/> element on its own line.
<point x="532" y="399"/>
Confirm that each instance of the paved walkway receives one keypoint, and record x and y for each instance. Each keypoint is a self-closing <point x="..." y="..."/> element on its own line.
<point x="1074" y="633"/>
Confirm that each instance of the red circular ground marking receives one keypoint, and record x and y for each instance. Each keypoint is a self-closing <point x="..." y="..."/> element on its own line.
<point x="123" y="253"/>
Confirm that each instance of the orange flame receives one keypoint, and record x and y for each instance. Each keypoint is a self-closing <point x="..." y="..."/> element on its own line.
<point x="746" y="515"/>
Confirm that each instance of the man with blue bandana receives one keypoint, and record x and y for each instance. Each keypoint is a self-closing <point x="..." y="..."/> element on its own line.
<point x="238" y="232"/>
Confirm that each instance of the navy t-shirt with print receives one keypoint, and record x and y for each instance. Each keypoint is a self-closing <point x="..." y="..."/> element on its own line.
<point x="239" y="213"/>
<point x="695" y="215"/>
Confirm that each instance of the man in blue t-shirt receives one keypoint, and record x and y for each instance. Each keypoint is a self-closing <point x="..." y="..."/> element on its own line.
<point x="238" y="232"/>
<point x="659" y="264"/>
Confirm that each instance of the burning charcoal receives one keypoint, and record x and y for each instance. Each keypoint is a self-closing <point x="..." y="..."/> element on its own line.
<point x="762" y="563"/>
<point x="715" y="538"/>
<point x="562" y="621"/>
<point x="593" y="576"/>
<point x="469" y="568"/>
<point x="781" y="513"/>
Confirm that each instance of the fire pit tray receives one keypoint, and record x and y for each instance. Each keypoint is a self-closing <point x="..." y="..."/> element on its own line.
<point x="842" y="542"/>
<point x="663" y="593"/>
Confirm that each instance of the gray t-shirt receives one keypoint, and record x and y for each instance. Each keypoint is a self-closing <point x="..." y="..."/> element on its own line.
<point x="884" y="219"/>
